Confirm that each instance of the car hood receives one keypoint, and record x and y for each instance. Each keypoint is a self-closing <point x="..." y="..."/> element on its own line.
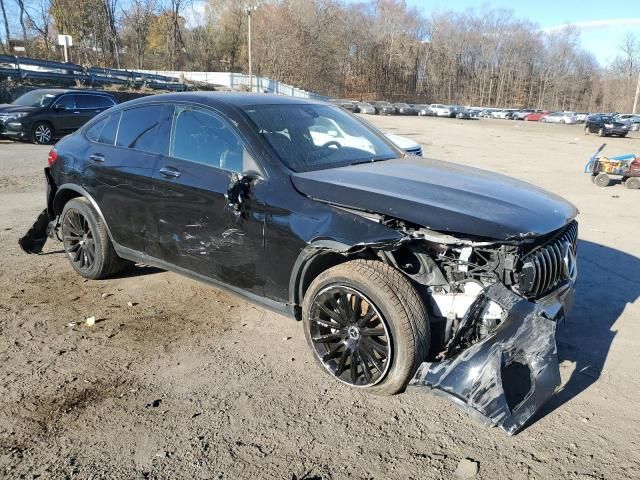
<point x="441" y="196"/>
<point x="402" y="142"/>
<point x="9" y="108"/>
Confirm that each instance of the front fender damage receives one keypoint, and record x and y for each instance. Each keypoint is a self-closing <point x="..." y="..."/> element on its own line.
<point x="506" y="377"/>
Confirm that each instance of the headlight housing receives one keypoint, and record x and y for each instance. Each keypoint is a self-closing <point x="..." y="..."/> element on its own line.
<point x="608" y="125"/>
<point x="15" y="116"/>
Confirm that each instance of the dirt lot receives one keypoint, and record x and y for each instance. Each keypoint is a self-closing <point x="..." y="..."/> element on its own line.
<point x="179" y="380"/>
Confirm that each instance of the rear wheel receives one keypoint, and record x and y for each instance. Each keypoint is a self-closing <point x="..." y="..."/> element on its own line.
<point x="86" y="242"/>
<point x="601" y="133"/>
<point x="586" y="131"/>
<point x="42" y="133"/>
<point x="366" y="325"/>
<point x="602" y="180"/>
<point x="633" y="183"/>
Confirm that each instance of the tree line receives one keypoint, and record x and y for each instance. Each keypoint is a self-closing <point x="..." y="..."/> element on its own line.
<point x="380" y="49"/>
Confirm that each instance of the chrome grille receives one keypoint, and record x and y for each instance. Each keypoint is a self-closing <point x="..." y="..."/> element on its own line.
<point x="550" y="264"/>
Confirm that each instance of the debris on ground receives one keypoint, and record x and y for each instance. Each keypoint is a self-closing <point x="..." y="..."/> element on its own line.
<point x="91" y="321"/>
<point x="467" y="468"/>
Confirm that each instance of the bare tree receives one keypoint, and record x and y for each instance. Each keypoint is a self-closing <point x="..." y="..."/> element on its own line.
<point x="7" y="32"/>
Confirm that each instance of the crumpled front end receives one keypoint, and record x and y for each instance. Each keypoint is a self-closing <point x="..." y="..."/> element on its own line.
<point x="508" y="375"/>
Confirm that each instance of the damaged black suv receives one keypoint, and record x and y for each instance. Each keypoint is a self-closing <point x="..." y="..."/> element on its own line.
<point x="404" y="270"/>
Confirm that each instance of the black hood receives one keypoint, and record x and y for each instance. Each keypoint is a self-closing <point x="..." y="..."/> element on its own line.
<point x="9" y="108"/>
<point x="441" y="196"/>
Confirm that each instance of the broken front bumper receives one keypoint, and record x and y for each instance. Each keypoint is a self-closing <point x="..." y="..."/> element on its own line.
<point x="507" y="376"/>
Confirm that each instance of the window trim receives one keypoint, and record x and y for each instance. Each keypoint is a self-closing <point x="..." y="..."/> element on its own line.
<point x="88" y="94"/>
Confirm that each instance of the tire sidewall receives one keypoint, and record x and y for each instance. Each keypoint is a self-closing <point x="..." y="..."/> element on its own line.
<point x="87" y="212"/>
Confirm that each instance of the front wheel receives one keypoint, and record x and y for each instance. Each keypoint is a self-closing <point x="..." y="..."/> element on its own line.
<point x="41" y="133"/>
<point x="86" y="242"/>
<point x="366" y="325"/>
<point x="601" y="132"/>
<point x="602" y="180"/>
<point x="586" y="130"/>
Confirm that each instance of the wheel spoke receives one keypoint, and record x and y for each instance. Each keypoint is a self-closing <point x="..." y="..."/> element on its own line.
<point x="369" y="355"/>
<point x="331" y="314"/>
<point x="373" y="332"/>
<point x="326" y="323"/>
<point x="365" y="368"/>
<point x="367" y="318"/>
<point x="341" y="362"/>
<point x="337" y="306"/>
<point x="332" y="353"/>
<point x="354" y="368"/>
<point x="345" y="302"/>
<point x="328" y="337"/>
<point x="357" y="307"/>
<point x="381" y="349"/>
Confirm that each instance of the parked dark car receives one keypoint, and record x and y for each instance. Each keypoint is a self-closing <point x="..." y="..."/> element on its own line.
<point x="605" y="125"/>
<point x="423" y="110"/>
<point x="364" y="107"/>
<point x="404" y="109"/>
<point x="383" y="108"/>
<point x="463" y="114"/>
<point x="44" y="114"/>
<point x="403" y="270"/>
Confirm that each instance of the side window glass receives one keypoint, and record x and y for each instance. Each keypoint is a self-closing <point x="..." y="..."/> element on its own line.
<point x="103" y="102"/>
<point x="68" y="101"/>
<point x="200" y="136"/>
<point x="139" y="128"/>
<point x="86" y="101"/>
<point x="105" y="130"/>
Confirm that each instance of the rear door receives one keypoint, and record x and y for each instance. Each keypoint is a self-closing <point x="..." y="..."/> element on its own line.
<point x="119" y="171"/>
<point x="88" y="106"/>
<point x="198" y="229"/>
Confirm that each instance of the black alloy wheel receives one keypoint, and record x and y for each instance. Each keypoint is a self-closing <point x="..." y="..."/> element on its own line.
<point x="350" y="336"/>
<point x="78" y="239"/>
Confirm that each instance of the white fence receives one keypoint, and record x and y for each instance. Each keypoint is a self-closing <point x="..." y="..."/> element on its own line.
<point x="240" y="81"/>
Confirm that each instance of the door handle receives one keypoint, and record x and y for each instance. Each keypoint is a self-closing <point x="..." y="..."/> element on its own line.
<point x="97" y="157"/>
<point x="169" y="172"/>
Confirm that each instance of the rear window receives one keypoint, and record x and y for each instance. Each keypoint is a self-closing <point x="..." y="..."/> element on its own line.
<point x="105" y="130"/>
<point x="140" y="127"/>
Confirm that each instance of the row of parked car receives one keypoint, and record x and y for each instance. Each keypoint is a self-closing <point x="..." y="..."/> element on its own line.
<point x="604" y="124"/>
<point x="599" y="123"/>
<point x="400" y="108"/>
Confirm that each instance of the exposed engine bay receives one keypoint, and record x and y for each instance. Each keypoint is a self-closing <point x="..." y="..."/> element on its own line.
<point x="493" y="311"/>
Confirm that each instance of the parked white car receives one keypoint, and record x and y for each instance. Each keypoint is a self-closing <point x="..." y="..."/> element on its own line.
<point x="440" y="110"/>
<point x="326" y="132"/>
<point x="560" y="117"/>
<point x="502" y="114"/>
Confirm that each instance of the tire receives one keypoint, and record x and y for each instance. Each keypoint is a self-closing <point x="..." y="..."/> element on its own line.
<point x="586" y="131"/>
<point x="42" y="133"/>
<point x="86" y="241"/>
<point x="601" y="133"/>
<point x="602" y="180"/>
<point x="397" y="310"/>
<point x="633" y="183"/>
<point x="562" y="122"/>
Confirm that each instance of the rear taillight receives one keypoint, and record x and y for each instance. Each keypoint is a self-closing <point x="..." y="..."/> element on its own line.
<point x="53" y="156"/>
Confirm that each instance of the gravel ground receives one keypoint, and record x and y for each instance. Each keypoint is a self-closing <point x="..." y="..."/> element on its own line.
<point x="179" y="380"/>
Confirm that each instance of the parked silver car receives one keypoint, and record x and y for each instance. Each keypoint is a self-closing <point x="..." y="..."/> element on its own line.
<point x="560" y="117"/>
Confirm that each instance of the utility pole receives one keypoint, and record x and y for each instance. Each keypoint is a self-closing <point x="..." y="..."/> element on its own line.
<point x="249" y="9"/>
<point x="635" y="101"/>
<point x="249" y="49"/>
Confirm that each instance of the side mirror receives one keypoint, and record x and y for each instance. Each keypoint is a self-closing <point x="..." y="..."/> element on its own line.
<point x="59" y="108"/>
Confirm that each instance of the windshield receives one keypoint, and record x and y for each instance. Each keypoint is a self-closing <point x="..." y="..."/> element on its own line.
<point x="313" y="137"/>
<point x="607" y="119"/>
<point x="35" y="98"/>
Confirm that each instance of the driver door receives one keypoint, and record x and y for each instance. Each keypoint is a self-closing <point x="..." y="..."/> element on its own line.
<point x="64" y="114"/>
